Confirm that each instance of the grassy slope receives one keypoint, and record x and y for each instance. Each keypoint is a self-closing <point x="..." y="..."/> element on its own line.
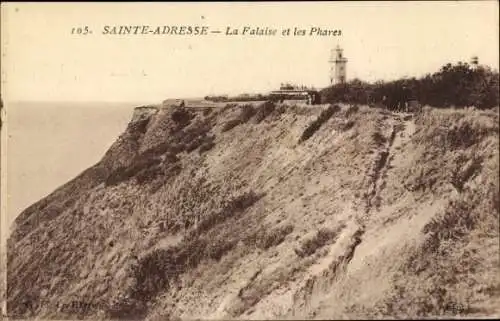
<point x="237" y="213"/>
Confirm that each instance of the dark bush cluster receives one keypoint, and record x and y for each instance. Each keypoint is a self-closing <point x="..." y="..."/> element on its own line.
<point x="457" y="221"/>
<point x="182" y="117"/>
<point x="264" y="110"/>
<point x="218" y="248"/>
<point x="246" y="113"/>
<point x="322" y="118"/>
<point x="463" y="135"/>
<point x="139" y="126"/>
<point x="323" y="237"/>
<point x="465" y="171"/>
<point x="125" y="173"/>
<point x="232" y="208"/>
<point x="231" y="124"/>
<point x="204" y="142"/>
<point x="265" y="239"/>
<point x="157" y="272"/>
<point x="207" y="145"/>
<point x="458" y="85"/>
<point x="378" y="138"/>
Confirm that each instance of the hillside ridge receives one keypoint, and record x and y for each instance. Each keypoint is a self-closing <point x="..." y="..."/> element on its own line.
<point x="270" y="211"/>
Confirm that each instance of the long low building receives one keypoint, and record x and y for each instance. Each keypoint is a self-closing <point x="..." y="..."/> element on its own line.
<point x="311" y="96"/>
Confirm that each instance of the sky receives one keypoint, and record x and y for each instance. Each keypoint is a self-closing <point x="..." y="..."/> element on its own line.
<point x="43" y="61"/>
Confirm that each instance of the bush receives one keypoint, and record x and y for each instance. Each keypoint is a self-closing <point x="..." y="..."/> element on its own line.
<point x="229" y="106"/>
<point x="182" y="116"/>
<point x="272" y="238"/>
<point x="218" y="248"/>
<point x="457" y="221"/>
<point x="154" y="272"/>
<point x="322" y="237"/>
<point x="207" y="145"/>
<point x="264" y="110"/>
<point x="234" y="207"/>
<point x="125" y="173"/>
<point x="463" y="135"/>
<point x="347" y="125"/>
<point x="139" y="126"/>
<point x="147" y="174"/>
<point x="231" y="124"/>
<point x="315" y="125"/>
<point x="246" y="113"/>
<point x="204" y="142"/>
<point x="464" y="171"/>
<point x="378" y="138"/>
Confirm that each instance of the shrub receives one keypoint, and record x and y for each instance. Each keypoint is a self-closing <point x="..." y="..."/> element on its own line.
<point x="218" y="248"/>
<point x="234" y="207"/>
<point x="322" y="237"/>
<point x="207" y="145"/>
<point x="231" y="124"/>
<point x="195" y="143"/>
<point x="204" y="142"/>
<point x="465" y="171"/>
<point x="322" y="118"/>
<point x="153" y="272"/>
<point x="347" y="125"/>
<point x="272" y="238"/>
<point x="463" y="135"/>
<point x="378" y="138"/>
<point x="182" y="116"/>
<point x="457" y="221"/>
<point x="139" y="126"/>
<point x="264" y="110"/>
<point x="247" y="112"/>
<point x="280" y="109"/>
<point x="147" y="174"/>
<point x="125" y="173"/>
<point x="229" y="106"/>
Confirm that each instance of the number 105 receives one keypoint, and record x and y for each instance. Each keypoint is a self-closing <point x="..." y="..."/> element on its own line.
<point x="80" y="31"/>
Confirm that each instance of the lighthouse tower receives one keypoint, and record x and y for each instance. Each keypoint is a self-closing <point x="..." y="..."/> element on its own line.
<point x="337" y="66"/>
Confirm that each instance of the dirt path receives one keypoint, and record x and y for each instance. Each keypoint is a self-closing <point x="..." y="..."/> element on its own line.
<point x="402" y="130"/>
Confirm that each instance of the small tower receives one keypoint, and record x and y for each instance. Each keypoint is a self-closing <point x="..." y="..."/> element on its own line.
<point x="337" y="66"/>
<point x="474" y="62"/>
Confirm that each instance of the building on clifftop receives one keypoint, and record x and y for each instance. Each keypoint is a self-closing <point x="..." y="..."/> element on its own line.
<point x="338" y="65"/>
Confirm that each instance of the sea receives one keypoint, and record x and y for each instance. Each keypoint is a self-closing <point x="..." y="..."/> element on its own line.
<point x="50" y="143"/>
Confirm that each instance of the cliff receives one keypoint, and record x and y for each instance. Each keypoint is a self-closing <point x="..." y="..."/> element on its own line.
<point x="271" y="212"/>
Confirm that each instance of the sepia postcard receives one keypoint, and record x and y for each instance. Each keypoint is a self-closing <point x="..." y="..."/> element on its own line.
<point x="250" y="160"/>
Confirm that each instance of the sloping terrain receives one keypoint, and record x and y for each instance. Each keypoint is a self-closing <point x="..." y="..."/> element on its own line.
<point x="271" y="212"/>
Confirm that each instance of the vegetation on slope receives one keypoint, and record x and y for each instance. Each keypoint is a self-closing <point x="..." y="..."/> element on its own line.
<point x="315" y="125"/>
<point x="256" y="225"/>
